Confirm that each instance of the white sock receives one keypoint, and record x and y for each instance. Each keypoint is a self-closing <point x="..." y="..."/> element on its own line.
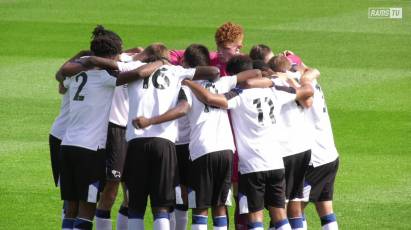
<point x="181" y="218"/>
<point x="329" y="222"/>
<point x="173" y="220"/>
<point x="62" y="214"/>
<point x="284" y="227"/>
<point x="103" y="220"/>
<point x="199" y="222"/>
<point x="135" y="224"/>
<point x="122" y="221"/>
<point x="161" y="224"/>
<point x="330" y="226"/>
<point x="281" y="225"/>
<point x="103" y="224"/>
<point x="305" y="226"/>
<point x="198" y="227"/>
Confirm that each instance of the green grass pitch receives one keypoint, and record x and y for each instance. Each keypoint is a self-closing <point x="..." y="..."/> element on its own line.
<point x="366" y="75"/>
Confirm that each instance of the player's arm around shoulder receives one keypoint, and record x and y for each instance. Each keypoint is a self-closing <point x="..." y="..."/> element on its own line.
<point x="306" y="91"/>
<point x="181" y="109"/>
<point x="206" y="97"/>
<point x="206" y="73"/>
<point x="139" y="73"/>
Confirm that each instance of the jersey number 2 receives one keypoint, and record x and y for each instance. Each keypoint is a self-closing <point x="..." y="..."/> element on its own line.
<point x="77" y="96"/>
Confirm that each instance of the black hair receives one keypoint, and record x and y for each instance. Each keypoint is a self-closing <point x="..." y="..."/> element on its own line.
<point x="239" y="63"/>
<point x="99" y="30"/>
<point x="259" y="52"/>
<point x="105" y="46"/>
<point x="196" y="55"/>
<point x="261" y="65"/>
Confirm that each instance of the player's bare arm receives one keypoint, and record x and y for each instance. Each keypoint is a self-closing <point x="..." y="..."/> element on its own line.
<point x="178" y="111"/>
<point x="257" y="83"/>
<point x="139" y="73"/>
<point x="206" y="73"/>
<point x="67" y="68"/>
<point x="242" y="77"/>
<point x="217" y="100"/>
<point x="308" y="76"/>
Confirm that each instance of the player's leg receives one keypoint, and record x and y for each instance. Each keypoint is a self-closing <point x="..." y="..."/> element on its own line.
<point x="54" y="144"/>
<point x="200" y="188"/>
<point x="89" y="175"/>
<point x="181" y="210"/>
<point x="67" y="187"/>
<point x="221" y="168"/>
<point x="115" y="156"/>
<point x="240" y="220"/>
<point x="122" y="216"/>
<point x="324" y="204"/>
<point x="251" y="189"/>
<point x="326" y="214"/>
<point x="136" y="177"/>
<point x="295" y="167"/>
<point x="163" y="173"/>
<point x="274" y="199"/>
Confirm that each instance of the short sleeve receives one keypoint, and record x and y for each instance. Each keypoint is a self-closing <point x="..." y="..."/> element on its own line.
<point x="128" y="66"/>
<point x="186" y="73"/>
<point x="233" y="103"/>
<point x="225" y="84"/>
<point x="124" y="57"/>
<point x="109" y="80"/>
<point x="187" y="93"/>
<point x="66" y="82"/>
<point x="285" y="94"/>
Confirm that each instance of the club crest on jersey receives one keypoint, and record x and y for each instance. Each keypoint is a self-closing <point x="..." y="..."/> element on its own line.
<point x="115" y="173"/>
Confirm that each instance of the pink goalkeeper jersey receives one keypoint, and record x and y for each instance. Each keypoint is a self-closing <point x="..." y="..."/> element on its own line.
<point x="176" y="58"/>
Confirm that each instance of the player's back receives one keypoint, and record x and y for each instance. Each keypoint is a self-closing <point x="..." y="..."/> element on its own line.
<point x="210" y="126"/>
<point x="91" y="94"/>
<point x="323" y="148"/>
<point x="153" y="96"/>
<point x="254" y="115"/>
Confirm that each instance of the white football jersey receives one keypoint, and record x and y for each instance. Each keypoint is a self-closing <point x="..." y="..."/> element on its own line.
<point x="295" y="136"/>
<point x="254" y="114"/>
<point x="210" y="127"/>
<point x="154" y="96"/>
<point x="323" y="150"/>
<point x="60" y="124"/>
<point x="91" y="93"/>
<point x="183" y="125"/>
<point x="119" y="105"/>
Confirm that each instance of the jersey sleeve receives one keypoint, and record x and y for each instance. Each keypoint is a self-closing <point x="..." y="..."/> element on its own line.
<point x="233" y="102"/>
<point x="109" y="80"/>
<point x="66" y="82"/>
<point x="233" y="98"/>
<point x="285" y="94"/>
<point x="186" y="73"/>
<point x="225" y="84"/>
<point x="187" y="93"/>
<point x="128" y="66"/>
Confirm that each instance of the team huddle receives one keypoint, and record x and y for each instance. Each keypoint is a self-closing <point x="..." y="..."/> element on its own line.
<point x="190" y="129"/>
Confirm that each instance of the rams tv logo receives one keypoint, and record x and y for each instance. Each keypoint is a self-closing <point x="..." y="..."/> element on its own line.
<point x="383" y="12"/>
